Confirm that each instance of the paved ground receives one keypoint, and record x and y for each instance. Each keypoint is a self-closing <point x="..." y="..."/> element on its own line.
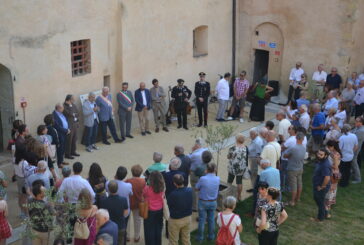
<point x="137" y="151"/>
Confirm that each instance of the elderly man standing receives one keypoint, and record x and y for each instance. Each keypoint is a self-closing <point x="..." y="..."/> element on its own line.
<point x="196" y="161"/>
<point x="39" y="174"/>
<point x="91" y="121"/>
<point x="208" y="187"/>
<point x="254" y="150"/>
<point x="126" y="101"/>
<point x="319" y="77"/>
<point x="159" y="106"/>
<point x="294" y="79"/>
<point x="333" y="80"/>
<point x="143" y="105"/>
<point x="241" y="86"/>
<point x="105" y="226"/>
<point x="223" y="94"/>
<point x="317" y="129"/>
<point x="185" y="162"/>
<point x="174" y="165"/>
<point x="180" y="208"/>
<point x="358" y="156"/>
<point x="106" y="116"/>
<point x="304" y="117"/>
<point x="283" y="126"/>
<point x="71" y="113"/>
<point x="270" y="174"/>
<point x="61" y="125"/>
<point x="331" y="102"/>
<point x="359" y="100"/>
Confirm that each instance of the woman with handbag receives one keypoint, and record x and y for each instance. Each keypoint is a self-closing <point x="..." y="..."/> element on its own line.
<point x="238" y="164"/>
<point x="85" y="226"/>
<point x="154" y="195"/>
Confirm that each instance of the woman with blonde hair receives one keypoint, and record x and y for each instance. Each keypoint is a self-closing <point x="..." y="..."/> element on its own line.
<point x="86" y="212"/>
<point x="5" y="229"/>
<point x="238" y="164"/>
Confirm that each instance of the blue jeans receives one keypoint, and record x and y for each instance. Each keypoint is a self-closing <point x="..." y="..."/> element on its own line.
<point x="110" y="123"/>
<point x="206" y="209"/>
<point x="91" y="133"/>
<point x="319" y="197"/>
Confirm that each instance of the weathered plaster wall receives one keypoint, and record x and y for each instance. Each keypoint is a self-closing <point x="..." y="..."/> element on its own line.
<point x="314" y="32"/>
<point x="35" y="45"/>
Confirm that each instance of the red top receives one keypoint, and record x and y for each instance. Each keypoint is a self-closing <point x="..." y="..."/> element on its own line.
<point x="137" y="186"/>
<point x="155" y="200"/>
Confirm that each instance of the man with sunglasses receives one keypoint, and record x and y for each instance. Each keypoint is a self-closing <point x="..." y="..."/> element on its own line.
<point x="333" y="80"/>
<point x="241" y="86"/>
<point x="202" y="93"/>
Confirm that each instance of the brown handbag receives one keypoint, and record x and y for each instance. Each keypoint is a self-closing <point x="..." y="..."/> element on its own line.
<point x="143" y="209"/>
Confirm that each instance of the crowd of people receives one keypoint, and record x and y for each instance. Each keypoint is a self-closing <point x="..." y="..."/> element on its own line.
<point x="97" y="210"/>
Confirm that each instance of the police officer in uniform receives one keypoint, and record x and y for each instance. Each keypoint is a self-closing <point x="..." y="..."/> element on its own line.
<point x="181" y="94"/>
<point x="202" y="93"/>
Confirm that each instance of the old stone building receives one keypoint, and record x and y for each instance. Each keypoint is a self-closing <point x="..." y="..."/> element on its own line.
<point x="52" y="48"/>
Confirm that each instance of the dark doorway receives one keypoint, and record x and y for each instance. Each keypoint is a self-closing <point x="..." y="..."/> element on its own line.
<point x="6" y="106"/>
<point x="261" y="66"/>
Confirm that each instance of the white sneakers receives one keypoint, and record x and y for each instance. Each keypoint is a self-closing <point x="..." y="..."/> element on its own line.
<point x="241" y="120"/>
<point x="229" y="118"/>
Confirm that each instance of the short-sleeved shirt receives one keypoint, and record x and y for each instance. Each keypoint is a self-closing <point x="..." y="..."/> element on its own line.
<point x="273" y="212"/>
<point x="271" y="176"/>
<point x="283" y="128"/>
<point x="341" y="117"/>
<point x="318" y="119"/>
<point x="2" y="188"/>
<point x="348" y="95"/>
<point x="296" y="157"/>
<point x="116" y="205"/>
<point x="238" y="161"/>
<point x="124" y="190"/>
<point x="109" y="228"/>
<point x="155" y="200"/>
<point x="38" y="176"/>
<point x="322" y="169"/>
<point x="303" y="102"/>
<point x="347" y="142"/>
<point x="334" y="81"/>
<point x="272" y="152"/>
<point x="305" y="120"/>
<point x="180" y="203"/>
<point x="235" y="223"/>
<point x="39" y="208"/>
<point x="138" y="185"/>
<point x="208" y="186"/>
<point x="160" y="167"/>
<point x="196" y="158"/>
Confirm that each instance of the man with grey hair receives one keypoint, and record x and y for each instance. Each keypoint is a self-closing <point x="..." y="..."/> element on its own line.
<point x="304" y="117"/>
<point x="270" y="174"/>
<point x="104" y="239"/>
<point x="106" y="116"/>
<point x="319" y="77"/>
<point x="126" y="101"/>
<point x="61" y="125"/>
<point x="263" y="131"/>
<point x="157" y="165"/>
<point x="348" y="143"/>
<point x="283" y="126"/>
<point x="143" y="103"/>
<point x="196" y="161"/>
<point x="174" y="165"/>
<point x="254" y="150"/>
<point x="39" y="174"/>
<point x="331" y="102"/>
<point x="91" y="121"/>
<point x="294" y="79"/>
<point x="105" y="225"/>
<point x="185" y="162"/>
<point x="296" y="156"/>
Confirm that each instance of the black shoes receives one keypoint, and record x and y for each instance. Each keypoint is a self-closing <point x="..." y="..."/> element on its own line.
<point x="106" y="142"/>
<point x="143" y="133"/>
<point x="75" y="154"/>
<point x="129" y="136"/>
<point x="69" y="157"/>
<point x="148" y="132"/>
<point x="165" y="129"/>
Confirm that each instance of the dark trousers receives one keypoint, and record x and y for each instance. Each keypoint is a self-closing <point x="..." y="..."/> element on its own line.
<point x="202" y="107"/>
<point x="110" y="123"/>
<point x="255" y="194"/>
<point x="71" y="140"/>
<point x="125" y="122"/>
<point x="91" y="133"/>
<point x="297" y="92"/>
<point x="182" y="115"/>
<point x="319" y="197"/>
<point x="153" y="226"/>
<point x="61" y="148"/>
<point x="345" y="168"/>
<point x="268" y="238"/>
<point x="360" y="155"/>
<point x="290" y="93"/>
<point x="359" y="109"/>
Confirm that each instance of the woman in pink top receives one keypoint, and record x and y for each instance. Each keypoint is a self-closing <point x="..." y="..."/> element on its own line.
<point x="154" y="194"/>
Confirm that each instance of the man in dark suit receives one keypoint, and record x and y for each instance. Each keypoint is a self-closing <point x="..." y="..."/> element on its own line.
<point x="61" y="125"/>
<point x="71" y="113"/>
<point x="202" y="93"/>
<point x="126" y="101"/>
<point x="143" y="105"/>
<point x="181" y="94"/>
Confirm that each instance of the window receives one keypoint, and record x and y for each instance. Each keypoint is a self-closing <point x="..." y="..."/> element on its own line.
<point x="81" y="57"/>
<point x="200" y="44"/>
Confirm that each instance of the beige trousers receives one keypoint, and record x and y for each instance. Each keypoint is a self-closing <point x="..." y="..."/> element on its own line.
<point x="41" y="238"/>
<point x="143" y="120"/>
<point x="137" y="220"/>
<point x="159" y="111"/>
<point x="179" y="228"/>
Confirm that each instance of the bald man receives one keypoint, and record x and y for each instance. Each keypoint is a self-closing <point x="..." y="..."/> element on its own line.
<point x="143" y="103"/>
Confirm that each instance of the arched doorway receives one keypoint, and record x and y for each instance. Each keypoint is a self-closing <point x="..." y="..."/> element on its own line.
<point x="267" y="47"/>
<point x="6" y="106"/>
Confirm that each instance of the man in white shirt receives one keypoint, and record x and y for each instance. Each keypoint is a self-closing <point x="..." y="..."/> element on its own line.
<point x="72" y="186"/>
<point x="319" y="76"/>
<point x="304" y="117"/>
<point x="294" y="79"/>
<point x="283" y="126"/>
<point x="348" y="143"/>
<point x="223" y="93"/>
<point x="271" y="151"/>
<point x="359" y="100"/>
<point x="331" y="102"/>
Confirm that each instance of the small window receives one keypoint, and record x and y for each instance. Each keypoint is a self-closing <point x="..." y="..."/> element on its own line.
<point x="200" y="41"/>
<point x="81" y="57"/>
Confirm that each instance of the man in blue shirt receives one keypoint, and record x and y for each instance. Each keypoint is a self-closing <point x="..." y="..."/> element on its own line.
<point x="269" y="174"/>
<point x="105" y="225"/>
<point x="180" y="209"/>
<point x="317" y="129"/>
<point x="321" y="182"/>
<point x="302" y="100"/>
<point x="208" y="187"/>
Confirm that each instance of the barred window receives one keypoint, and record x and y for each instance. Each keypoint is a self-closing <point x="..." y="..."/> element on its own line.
<point x="81" y="57"/>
